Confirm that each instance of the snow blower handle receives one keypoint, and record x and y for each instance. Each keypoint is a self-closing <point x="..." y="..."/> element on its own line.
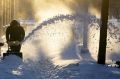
<point x="14" y="43"/>
<point x="8" y="47"/>
<point x="9" y="44"/>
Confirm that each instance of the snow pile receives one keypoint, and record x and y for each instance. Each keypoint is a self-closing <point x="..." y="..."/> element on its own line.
<point x="89" y="70"/>
<point x="10" y="67"/>
<point x="13" y="67"/>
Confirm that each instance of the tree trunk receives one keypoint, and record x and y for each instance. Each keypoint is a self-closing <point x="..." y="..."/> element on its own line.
<point x="103" y="32"/>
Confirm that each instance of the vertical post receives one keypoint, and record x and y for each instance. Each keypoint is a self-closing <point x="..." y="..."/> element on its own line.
<point x="103" y="32"/>
<point x="85" y="37"/>
<point x="3" y="12"/>
<point x="12" y="10"/>
<point x="1" y="15"/>
<point x="85" y="28"/>
<point x="10" y="2"/>
<point x="7" y="10"/>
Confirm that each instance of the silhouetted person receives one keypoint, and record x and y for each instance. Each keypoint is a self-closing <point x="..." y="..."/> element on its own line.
<point x="15" y="35"/>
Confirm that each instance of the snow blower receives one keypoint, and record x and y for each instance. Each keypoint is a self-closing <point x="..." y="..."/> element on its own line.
<point x="12" y="52"/>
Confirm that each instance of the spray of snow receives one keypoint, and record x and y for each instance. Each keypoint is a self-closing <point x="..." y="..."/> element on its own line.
<point x="36" y="48"/>
<point x="56" y="37"/>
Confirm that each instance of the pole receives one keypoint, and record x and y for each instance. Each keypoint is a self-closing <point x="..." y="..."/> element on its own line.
<point x="103" y="32"/>
<point x="12" y="9"/>
<point x="3" y="12"/>
<point x="85" y="29"/>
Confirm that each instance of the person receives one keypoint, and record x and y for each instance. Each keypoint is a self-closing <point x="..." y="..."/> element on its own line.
<point x="15" y="35"/>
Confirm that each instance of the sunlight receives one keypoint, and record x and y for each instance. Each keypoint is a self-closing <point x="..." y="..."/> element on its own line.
<point x="94" y="11"/>
<point x="45" y="9"/>
<point x="54" y="38"/>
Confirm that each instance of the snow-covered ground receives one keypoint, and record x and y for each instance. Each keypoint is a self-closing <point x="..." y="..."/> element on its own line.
<point x="54" y="53"/>
<point x="14" y="68"/>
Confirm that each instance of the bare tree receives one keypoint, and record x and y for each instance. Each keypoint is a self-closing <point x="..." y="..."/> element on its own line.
<point x="103" y="32"/>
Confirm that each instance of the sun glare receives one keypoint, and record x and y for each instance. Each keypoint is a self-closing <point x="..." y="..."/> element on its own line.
<point x="45" y="9"/>
<point x="55" y="37"/>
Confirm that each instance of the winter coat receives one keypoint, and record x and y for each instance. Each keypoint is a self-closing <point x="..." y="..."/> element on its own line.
<point x="15" y="33"/>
